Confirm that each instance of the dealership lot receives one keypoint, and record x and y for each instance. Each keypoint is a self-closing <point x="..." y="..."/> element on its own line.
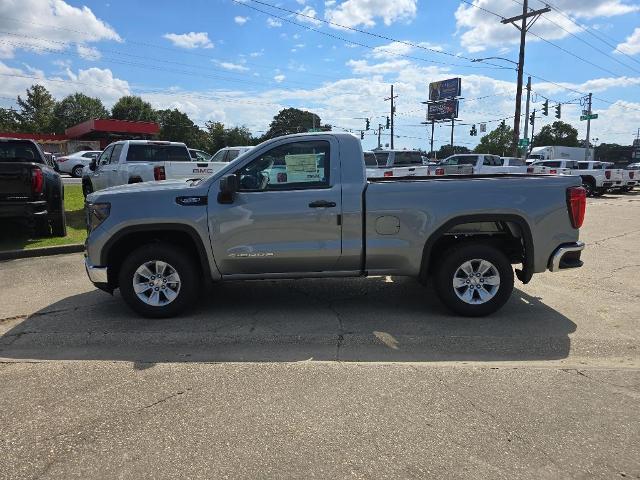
<point x="328" y="378"/>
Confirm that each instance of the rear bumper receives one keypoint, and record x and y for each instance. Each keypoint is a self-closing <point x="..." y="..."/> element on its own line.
<point x="566" y="256"/>
<point x="23" y="209"/>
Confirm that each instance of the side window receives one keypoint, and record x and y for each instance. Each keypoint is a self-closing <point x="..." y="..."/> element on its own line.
<point x="233" y="154"/>
<point x="597" y="166"/>
<point x="292" y="166"/>
<point x="489" y="161"/>
<point x="117" y="150"/>
<point x="552" y="164"/>
<point x="103" y="159"/>
<point x="219" y="156"/>
<point x="468" y="160"/>
<point x="450" y="161"/>
<point x="583" y="166"/>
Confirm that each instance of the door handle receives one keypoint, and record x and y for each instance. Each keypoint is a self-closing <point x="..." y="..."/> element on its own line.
<point x="412" y="169"/>
<point x="322" y="204"/>
<point x="202" y="165"/>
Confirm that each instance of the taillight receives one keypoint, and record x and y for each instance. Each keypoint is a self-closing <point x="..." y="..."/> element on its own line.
<point x="440" y="171"/>
<point x="553" y="172"/>
<point x="37" y="180"/>
<point x="62" y="159"/>
<point x="577" y="205"/>
<point x="388" y="173"/>
<point x="607" y="173"/>
<point x="530" y="170"/>
<point x="158" y="173"/>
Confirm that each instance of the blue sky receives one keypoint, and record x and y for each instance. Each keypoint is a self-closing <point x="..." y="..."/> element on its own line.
<point x="240" y="62"/>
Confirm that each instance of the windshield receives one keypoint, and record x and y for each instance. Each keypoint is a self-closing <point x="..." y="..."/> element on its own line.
<point x="20" y="151"/>
<point x="157" y="153"/>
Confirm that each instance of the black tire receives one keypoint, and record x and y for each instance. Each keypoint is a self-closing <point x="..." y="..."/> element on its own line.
<point x="589" y="186"/>
<point x="58" y="224"/>
<point x="179" y="260"/>
<point x="599" y="192"/>
<point x="76" y="171"/>
<point x="447" y="270"/>
<point x="87" y="188"/>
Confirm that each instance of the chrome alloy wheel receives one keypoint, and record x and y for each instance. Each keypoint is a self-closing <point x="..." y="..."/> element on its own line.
<point x="156" y="283"/>
<point x="476" y="281"/>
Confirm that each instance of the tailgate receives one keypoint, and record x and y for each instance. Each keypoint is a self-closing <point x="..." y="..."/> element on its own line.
<point x="15" y="181"/>
<point x="184" y="170"/>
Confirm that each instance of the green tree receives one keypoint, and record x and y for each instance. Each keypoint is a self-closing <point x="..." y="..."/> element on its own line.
<point x="448" y="150"/>
<point x="612" y="152"/>
<point x="176" y="126"/>
<point x="9" y="121"/>
<point x="497" y="142"/>
<point x="558" y="133"/>
<point x="134" y="109"/>
<point x="293" y="120"/>
<point x="218" y="136"/>
<point x="36" y="110"/>
<point x="77" y="108"/>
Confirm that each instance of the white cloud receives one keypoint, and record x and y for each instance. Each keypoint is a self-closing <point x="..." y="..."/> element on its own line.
<point x="240" y="20"/>
<point x="631" y="45"/>
<point x="308" y="15"/>
<point x="48" y="25"/>
<point x="88" y="53"/>
<point x="352" y="13"/>
<point x="391" y="50"/>
<point x="190" y="40"/>
<point x="362" y="67"/>
<point x="482" y="30"/>
<point x="273" y="23"/>
<point x="279" y="78"/>
<point x="232" y="66"/>
<point x="257" y="54"/>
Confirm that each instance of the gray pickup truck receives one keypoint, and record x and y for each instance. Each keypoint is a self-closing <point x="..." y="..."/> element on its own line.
<point x="300" y="206"/>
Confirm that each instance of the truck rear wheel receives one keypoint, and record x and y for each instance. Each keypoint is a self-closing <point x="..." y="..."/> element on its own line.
<point x="159" y="280"/>
<point x="59" y="225"/>
<point x="87" y="188"/>
<point x="474" y="279"/>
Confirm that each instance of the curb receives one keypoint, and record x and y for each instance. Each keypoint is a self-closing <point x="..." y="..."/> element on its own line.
<point x="41" y="252"/>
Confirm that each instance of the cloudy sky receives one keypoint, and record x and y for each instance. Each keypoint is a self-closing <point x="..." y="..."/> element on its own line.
<point x="240" y="61"/>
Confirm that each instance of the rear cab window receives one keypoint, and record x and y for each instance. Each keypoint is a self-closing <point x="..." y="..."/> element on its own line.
<point x="19" y="151"/>
<point x="403" y="159"/>
<point x="370" y="160"/>
<point x="157" y="153"/>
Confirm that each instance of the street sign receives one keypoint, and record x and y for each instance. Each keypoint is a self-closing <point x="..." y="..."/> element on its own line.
<point x="523" y="142"/>
<point x="593" y="116"/>
<point x="442" y="110"/>
<point x="483" y="127"/>
<point x="445" y="89"/>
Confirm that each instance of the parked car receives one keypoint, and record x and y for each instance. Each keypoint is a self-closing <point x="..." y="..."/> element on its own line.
<point x="160" y="242"/>
<point x="75" y="163"/>
<point x="199" y="155"/>
<point x="397" y="163"/>
<point x="630" y="178"/>
<point x="553" y="167"/>
<point x="30" y="189"/>
<point x="135" y="161"/>
<point x="453" y="165"/>
<point x="225" y="155"/>
<point x="484" y="163"/>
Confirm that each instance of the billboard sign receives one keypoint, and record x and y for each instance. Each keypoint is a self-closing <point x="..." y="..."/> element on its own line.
<point x="442" y="110"/>
<point x="445" y="89"/>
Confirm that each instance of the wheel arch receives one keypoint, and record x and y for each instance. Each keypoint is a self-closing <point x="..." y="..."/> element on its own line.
<point x="437" y="240"/>
<point x="124" y="241"/>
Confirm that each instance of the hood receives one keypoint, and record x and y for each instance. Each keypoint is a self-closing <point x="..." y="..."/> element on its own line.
<point x="142" y="187"/>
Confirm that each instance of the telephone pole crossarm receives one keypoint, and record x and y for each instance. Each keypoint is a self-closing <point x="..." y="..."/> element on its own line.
<point x="534" y="13"/>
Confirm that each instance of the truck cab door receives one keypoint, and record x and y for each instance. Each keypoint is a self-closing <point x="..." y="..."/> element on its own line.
<point x="99" y="177"/>
<point x="286" y="216"/>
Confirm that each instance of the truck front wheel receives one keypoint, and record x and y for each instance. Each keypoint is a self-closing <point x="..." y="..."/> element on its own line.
<point x="474" y="279"/>
<point x="159" y="280"/>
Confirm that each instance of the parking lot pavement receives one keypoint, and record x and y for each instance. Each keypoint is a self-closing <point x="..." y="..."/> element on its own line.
<point x="328" y="378"/>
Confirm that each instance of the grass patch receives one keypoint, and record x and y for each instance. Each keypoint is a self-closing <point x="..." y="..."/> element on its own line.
<point x="16" y="236"/>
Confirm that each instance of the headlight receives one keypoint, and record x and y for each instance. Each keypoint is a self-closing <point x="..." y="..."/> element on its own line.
<point x="96" y="214"/>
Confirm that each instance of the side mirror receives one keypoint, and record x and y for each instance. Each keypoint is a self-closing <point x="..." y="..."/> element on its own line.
<point x="229" y="185"/>
<point x="92" y="165"/>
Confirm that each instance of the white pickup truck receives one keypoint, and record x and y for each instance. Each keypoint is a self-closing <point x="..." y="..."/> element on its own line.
<point x="482" y="164"/>
<point x="134" y="161"/>
<point x="597" y="177"/>
<point x="553" y="167"/>
<point x="395" y="163"/>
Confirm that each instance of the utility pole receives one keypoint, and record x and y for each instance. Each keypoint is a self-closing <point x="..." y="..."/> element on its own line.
<point x="379" y="132"/>
<point x="586" y="151"/>
<point x="523" y="27"/>
<point x="393" y="111"/>
<point x="453" y="123"/>
<point x="433" y="124"/>
<point x="526" y="117"/>
<point x="533" y="129"/>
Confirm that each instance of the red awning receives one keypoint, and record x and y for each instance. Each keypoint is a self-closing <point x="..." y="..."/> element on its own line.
<point x="112" y="126"/>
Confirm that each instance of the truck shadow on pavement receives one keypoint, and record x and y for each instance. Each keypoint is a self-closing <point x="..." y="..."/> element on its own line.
<point x="377" y="319"/>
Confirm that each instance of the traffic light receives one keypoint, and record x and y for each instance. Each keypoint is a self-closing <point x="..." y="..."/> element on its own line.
<point x="532" y="118"/>
<point x="368" y="124"/>
<point x="473" y="132"/>
<point x="361" y="135"/>
<point x="558" y="113"/>
<point x="545" y="108"/>
<point x="388" y="123"/>
<point x="503" y="124"/>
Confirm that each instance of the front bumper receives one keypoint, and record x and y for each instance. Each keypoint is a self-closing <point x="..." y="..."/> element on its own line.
<point x="566" y="256"/>
<point x="99" y="276"/>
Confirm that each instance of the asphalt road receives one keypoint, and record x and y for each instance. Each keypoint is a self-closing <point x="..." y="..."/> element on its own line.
<point x="328" y="378"/>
